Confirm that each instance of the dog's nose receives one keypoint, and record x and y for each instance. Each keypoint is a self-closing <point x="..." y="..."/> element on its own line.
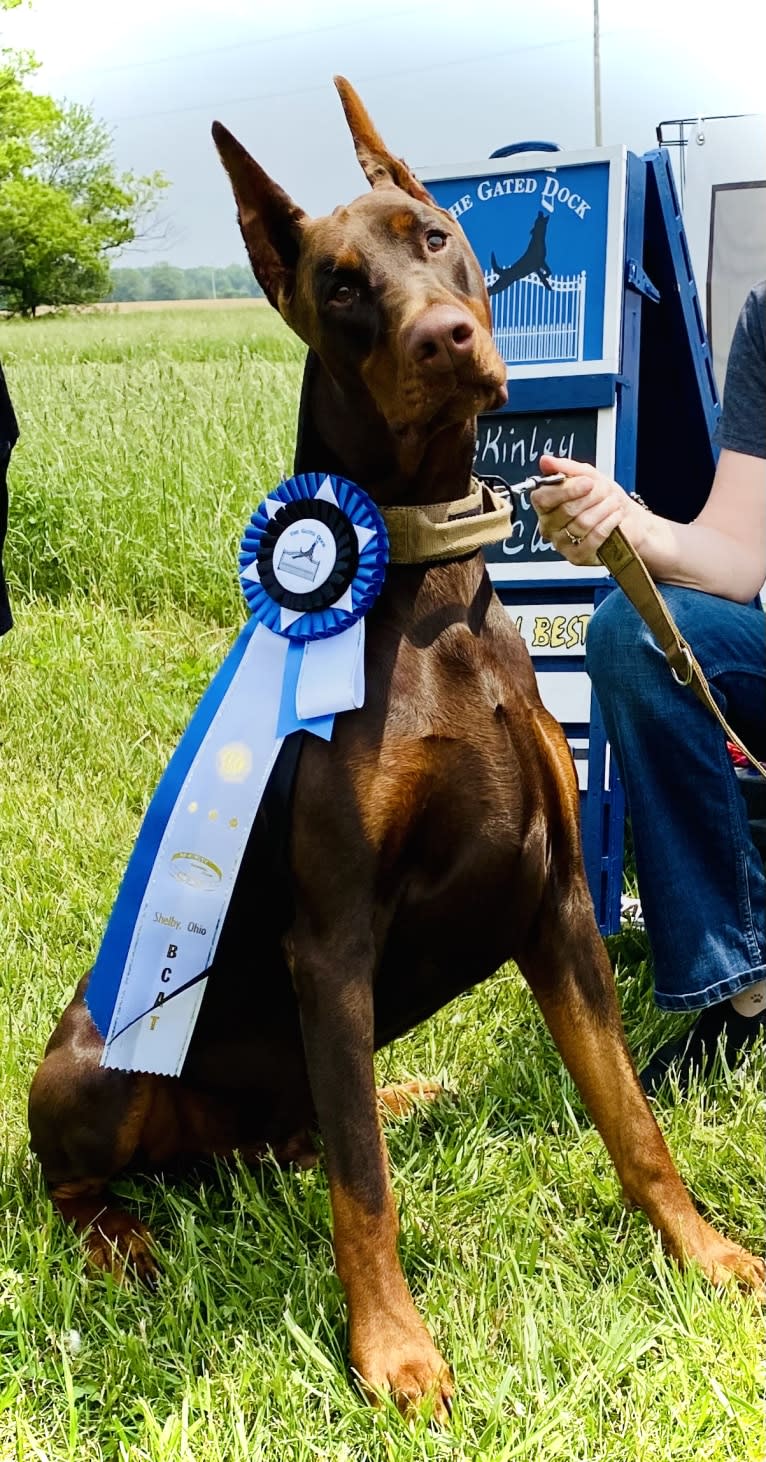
<point x="440" y="337"/>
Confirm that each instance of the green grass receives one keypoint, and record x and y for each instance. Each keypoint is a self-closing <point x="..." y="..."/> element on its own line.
<point x="146" y="441"/>
<point x="149" y="438"/>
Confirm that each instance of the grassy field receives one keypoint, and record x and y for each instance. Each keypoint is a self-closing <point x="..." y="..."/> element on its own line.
<point x="146" y="440"/>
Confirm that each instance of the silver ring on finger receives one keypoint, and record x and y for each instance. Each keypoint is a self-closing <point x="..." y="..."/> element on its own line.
<point x="571" y="537"/>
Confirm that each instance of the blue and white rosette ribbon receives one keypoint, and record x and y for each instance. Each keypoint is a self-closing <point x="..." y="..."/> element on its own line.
<point x="312" y="563"/>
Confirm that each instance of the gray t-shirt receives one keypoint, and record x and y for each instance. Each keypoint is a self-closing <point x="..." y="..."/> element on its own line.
<point x="742" y="427"/>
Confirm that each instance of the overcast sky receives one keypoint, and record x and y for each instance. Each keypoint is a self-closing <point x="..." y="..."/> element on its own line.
<point x="447" y="81"/>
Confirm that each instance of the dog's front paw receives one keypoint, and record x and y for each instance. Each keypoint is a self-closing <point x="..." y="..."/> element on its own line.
<point x="400" y="1360"/>
<point x="722" y="1260"/>
<point x="725" y="1262"/>
<point x="749" y="1269"/>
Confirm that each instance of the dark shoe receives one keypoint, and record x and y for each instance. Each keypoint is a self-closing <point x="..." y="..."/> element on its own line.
<point x="697" y="1048"/>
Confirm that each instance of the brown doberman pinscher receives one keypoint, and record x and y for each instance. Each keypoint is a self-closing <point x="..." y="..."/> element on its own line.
<point x="435" y="837"/>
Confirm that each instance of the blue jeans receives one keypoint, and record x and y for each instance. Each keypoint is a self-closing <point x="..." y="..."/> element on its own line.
<point x="700" y="877"/>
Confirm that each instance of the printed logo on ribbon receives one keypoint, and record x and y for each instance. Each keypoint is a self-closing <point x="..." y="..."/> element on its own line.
<point x="312" y="563"/>
<point x="194" y="869"/>
<point x="313" y="557"/>
<point x="305" y="558"/>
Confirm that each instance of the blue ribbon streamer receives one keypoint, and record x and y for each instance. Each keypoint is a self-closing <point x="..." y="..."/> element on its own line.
<point x="101" y="991"/>
<point x="119" y="949"/>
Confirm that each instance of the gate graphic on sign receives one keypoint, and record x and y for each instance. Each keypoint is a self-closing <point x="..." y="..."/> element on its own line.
<point x="536" y="320"/>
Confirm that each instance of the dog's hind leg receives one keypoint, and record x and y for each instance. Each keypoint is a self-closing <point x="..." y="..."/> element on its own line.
<point x="570" y="976"/>
<point x="85" y="1125"/>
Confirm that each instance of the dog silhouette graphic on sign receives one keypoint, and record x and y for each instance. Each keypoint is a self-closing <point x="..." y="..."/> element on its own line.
<point x="532" y="261"/>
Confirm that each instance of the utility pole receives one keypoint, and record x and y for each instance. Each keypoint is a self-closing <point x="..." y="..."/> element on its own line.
<point x="597" y="74"/>
<point x="212" y="281"/>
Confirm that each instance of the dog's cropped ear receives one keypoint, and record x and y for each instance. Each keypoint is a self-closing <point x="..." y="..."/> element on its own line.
<point x="269" y="220"/>
<point x="379" y="166"/>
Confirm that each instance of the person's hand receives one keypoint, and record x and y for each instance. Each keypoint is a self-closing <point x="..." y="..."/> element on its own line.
<point x="578" y="515"/>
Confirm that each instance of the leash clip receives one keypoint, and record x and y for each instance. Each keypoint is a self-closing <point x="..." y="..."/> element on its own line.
<point x="687" y="657"/>
<point x="530" y="484"/>
<point x="516" y="489"/>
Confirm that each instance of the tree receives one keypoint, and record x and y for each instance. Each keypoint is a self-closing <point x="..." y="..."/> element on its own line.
<point x="166" y="282"/>
<point x="199" y="283"/>
<point x="235" y="282"/>
<point x="63" y="208"/>
<point x="48" y="255"/>
<point x="128" y="284"/>
<point x="24" y="116"/>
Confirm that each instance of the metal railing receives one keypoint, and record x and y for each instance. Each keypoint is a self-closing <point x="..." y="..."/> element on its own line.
<point x="533" y="321"/>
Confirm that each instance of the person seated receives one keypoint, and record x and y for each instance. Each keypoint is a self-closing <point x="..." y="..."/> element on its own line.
<point x="9" y="432"/>
<point x="700" y="876"/>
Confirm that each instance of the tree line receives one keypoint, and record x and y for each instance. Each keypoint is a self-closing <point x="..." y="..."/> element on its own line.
<point x="167" y="282"/>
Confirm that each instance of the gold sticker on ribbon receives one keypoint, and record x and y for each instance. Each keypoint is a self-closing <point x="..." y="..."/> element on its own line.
<point x="234" y="762"/>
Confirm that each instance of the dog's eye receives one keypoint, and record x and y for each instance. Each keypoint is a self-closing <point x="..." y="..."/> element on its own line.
<point x="435" y="240"/>
<point x="341" y="294"/>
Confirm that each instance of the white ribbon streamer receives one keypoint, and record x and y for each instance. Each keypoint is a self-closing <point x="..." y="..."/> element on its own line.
<point x="188" y="892"/>
<point x="329" y="668"/>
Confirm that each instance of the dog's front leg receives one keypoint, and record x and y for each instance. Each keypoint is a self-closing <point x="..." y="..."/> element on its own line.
<point x="390" y="1347"/>
<point x="571" y="978"/>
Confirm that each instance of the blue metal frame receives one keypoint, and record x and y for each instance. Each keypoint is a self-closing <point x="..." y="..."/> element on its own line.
<point x="603" y="816"/>
<point x="561" y="393"/>
<point x="603" y="810"/>
<point x="658" y="166"/>
<point x="678" y="387"/>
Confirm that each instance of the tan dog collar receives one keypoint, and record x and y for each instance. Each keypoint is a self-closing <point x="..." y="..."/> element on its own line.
<point x="447" y="530"/>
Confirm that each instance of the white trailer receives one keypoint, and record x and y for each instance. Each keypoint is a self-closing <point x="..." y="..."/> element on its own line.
<point x="720" y="169"/>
